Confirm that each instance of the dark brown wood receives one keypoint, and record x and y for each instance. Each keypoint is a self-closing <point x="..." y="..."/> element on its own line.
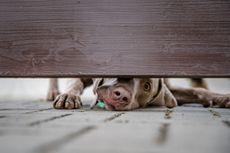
<point x="67" y="38"/>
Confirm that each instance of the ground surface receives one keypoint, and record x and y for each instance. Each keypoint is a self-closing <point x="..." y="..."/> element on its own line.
<point x="28" y="124"/>
<point x="35" y="127"/>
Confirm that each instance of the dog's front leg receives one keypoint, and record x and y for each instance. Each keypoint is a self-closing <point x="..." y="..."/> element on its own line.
<point x="53" y="91"/>
<point x="200" y="96"/>
<point x="70" y="99"/>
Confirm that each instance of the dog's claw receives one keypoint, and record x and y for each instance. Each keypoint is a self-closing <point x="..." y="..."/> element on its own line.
<point x="222" y="101"/>
<point x="227" y="105"/>
<point x="67" y="101"/>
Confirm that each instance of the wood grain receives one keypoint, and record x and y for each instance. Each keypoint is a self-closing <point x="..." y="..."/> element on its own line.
<point x="47" y="38"/>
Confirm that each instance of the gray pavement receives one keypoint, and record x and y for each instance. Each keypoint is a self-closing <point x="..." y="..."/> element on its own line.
<point x="28" y="124"/>
<point x="35" y="127"/>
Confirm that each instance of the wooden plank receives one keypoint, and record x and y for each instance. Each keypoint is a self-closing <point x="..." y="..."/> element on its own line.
<point x="106" y="38"/>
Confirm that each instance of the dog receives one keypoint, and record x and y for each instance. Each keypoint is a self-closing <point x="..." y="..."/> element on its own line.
<point x="123" y="94"/>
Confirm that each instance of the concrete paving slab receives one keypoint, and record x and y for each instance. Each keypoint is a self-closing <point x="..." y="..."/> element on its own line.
<point x="43" y="129"/>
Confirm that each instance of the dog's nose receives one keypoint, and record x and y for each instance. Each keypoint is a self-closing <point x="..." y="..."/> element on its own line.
<point x="121" y="95"/>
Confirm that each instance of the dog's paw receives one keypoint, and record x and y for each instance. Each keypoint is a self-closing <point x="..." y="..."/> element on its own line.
<point x="67" y="101"/>
<point x="52" y="94"/>
<point x="222" y="101"/>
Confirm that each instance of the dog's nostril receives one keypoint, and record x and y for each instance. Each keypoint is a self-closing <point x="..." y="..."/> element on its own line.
<point x="125" y="99"/>
<point x="117" y="93"/>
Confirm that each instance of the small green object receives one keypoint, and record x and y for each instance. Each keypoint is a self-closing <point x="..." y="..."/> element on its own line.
<point x="101" y="104"/>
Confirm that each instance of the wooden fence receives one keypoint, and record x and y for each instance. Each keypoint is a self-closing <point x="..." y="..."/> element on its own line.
<point x="143" y="38"/>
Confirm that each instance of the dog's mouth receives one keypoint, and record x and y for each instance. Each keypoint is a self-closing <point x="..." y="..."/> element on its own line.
<point x="108" y="104"/>
<point x="105" y="95"/>
<point x="112" y="105"/>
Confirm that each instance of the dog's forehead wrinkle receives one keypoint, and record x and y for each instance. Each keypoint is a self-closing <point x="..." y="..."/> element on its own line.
<point x="136" y="87"/>
<point x="155" y="83"/>
<point x="125" y="80"/>
<point x="110" y="81"/>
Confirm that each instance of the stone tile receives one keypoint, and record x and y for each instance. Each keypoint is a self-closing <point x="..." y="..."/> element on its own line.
<point x="39" y="128"/>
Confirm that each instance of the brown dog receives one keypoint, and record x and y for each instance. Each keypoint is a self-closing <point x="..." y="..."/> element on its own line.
<point x="133" y="93"/>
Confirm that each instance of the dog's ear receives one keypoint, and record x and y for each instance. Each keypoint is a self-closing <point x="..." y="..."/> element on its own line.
<point x="164" y="96"/>
<point x="97" y="82"/>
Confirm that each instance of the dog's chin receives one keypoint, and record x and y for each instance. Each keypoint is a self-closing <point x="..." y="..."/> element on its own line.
<point x="109" y="107"/>
<point x="110" y="104"/>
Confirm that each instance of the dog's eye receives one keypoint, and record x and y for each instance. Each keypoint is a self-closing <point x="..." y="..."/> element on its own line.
<point x="147" y="86"/>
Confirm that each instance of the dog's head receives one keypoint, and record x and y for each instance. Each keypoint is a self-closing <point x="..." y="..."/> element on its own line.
<point x="132" y="93"/>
